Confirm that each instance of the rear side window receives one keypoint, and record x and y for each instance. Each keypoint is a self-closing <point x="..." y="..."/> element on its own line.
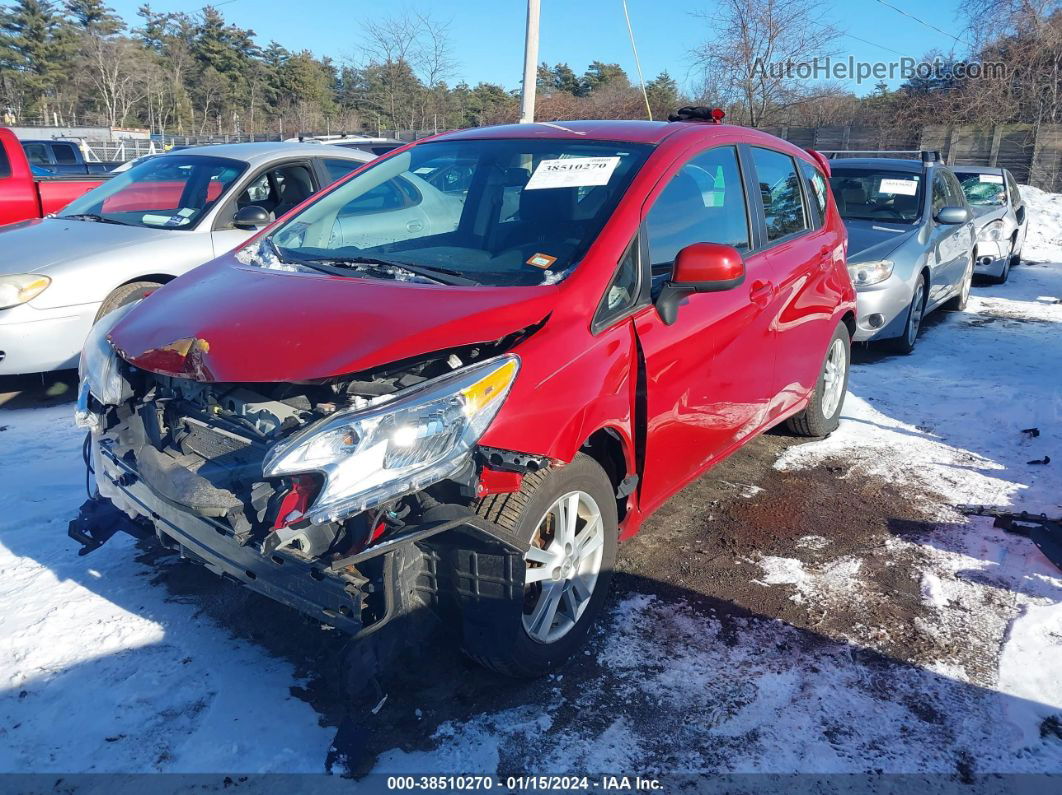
<point x="337" y="169"/>
<point x="5" y="164"/>
<point x="783" y="202"/>
<point x="37" y="154"/>
<point x="703" y="203"/>
<point x="817" y="181"/>
<point x="64" y="154"/>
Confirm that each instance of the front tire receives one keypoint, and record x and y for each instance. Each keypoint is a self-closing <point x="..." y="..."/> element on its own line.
<point x="569" y="515"/>
<point x="126" y="294"/>
<point x="822" y="414"/>
<point x="905" y="343"/>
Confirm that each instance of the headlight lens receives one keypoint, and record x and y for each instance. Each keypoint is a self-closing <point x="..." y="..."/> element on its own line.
<point x="991" y="232"/>
<point x="864" y="273"/>
<point x="21" y="287"/>
<point x="98" y="369"/>
<point x="418" y="437"/>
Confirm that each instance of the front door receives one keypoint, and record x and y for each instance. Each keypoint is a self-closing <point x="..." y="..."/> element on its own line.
<point x="709" y="375"/>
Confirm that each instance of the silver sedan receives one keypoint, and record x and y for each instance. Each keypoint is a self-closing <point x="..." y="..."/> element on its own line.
<point x="910" y="243"/>
<point x="139" y="230"/>
<point x="1000" y="218"/>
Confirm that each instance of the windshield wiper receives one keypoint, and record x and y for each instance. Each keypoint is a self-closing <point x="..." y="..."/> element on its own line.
<point x="438" y="275"/>
<point x="93" y="217"/>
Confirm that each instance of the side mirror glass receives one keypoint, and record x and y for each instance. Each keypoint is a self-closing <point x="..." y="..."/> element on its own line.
<point x="953" y="215"/>
<point x="700" y="268"/>
<point x="251" y="217"/>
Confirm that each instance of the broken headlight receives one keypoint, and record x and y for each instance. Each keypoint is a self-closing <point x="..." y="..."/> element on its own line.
<point x="98" y="369"/>
<point x="416" y="438"/>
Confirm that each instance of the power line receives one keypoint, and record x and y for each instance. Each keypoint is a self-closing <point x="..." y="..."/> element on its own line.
<point x="921" y="21"/>
<point x="874" y="44"/>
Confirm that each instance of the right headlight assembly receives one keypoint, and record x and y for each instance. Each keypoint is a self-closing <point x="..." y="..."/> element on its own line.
<point x="20" y="288"/>
<point x="420" y="436"/>
<point x="873" y="272"/>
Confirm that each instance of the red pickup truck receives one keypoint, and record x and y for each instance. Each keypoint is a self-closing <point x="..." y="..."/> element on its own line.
<point x="25" y="192"/>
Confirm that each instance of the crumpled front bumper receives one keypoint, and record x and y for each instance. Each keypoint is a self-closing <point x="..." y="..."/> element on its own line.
<point x="344" y="593"/>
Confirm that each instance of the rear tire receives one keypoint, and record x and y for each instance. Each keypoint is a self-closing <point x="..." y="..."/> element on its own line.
<point x="126" y="294"/>
<point x="822" y="414"/>
<point x="905" y="343"/>
<point x="566" y="572"/>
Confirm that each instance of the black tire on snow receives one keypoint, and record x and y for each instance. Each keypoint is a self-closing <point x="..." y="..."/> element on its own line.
<point x="493" y="632"/>
<point x="812" y="421"/>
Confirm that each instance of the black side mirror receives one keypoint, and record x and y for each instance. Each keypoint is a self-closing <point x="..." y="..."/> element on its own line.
<point x="953" y="215"/>
<point x="251" y="217"/>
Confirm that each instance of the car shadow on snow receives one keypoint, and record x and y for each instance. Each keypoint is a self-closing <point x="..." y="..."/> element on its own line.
<point x="673" y="679"/>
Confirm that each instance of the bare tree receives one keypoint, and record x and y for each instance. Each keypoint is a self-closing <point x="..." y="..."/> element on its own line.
<point x="752" y="36"/>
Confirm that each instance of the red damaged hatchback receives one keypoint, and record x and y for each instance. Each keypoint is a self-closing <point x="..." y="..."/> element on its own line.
<point x="452" y="383"/>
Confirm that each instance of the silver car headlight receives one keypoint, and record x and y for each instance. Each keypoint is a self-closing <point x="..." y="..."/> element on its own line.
<point x="20" y="288"/>
<point x="873" y="272"/>
<point x="991" y="232"/>
<point x="98" y="371"/>
<point x="416" y="438"/>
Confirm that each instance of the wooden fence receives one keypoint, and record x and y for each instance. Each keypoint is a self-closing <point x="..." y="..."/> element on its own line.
<point x="1033" y="156"/>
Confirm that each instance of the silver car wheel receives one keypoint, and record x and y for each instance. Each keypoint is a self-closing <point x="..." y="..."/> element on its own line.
<point x="833" y="379"/>
<point x="914" y="322"/>
<point x="562" y="566"/>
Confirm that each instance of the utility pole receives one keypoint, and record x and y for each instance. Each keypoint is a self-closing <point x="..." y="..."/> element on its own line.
<point x="527" y="95"/>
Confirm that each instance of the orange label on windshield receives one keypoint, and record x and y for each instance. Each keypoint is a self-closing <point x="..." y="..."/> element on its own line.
<point x="541" y="260"/>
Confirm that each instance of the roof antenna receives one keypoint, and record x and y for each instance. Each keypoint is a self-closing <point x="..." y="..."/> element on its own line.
<point x="637" y="62"/>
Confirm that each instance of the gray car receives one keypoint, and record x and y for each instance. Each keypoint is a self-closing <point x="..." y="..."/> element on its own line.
<point x="999" y="217"/>
<point x="910" y="243"/>
<point x="139" y="230"/>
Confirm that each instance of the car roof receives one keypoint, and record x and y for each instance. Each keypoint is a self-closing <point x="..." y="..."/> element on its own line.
<point x="978" y="169"/>
<point x="255" y="153"/>
<point x="881" y="163"/>
<point x="642" y="132"/>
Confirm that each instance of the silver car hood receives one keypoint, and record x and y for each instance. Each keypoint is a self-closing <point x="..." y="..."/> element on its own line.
<point x="870" y="240"/>
<point x="35" y="246"/>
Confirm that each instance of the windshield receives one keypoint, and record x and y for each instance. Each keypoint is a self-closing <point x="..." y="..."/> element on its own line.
<point x="171" y="192"/>
<point x="983" y="190"/>
<point x="877" y="195"/>
<point x="497" y="212"/>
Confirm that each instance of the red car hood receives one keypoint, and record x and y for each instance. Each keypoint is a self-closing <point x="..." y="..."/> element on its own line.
<point x="234" y="323"/>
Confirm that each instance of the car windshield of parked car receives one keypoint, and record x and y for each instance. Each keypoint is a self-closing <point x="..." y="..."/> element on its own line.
<point x="171" y="192"/>
<point x="877" y="194"/>
<point x="497" y="212"/>
<point x="983" y="190"/>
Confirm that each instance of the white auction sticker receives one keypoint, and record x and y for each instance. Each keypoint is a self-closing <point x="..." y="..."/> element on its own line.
<point x="903" y="187"/>
<point x="572" y="172"/>
<point x="996" y="179"/>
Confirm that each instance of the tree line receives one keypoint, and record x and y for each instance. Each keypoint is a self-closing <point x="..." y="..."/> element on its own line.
<point x="77" y="62"/>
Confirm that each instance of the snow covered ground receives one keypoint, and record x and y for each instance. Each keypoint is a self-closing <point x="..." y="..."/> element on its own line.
<point x="103" y="669"/>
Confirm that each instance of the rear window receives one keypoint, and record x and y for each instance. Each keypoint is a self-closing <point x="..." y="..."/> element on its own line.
<point x="877" y="194"/>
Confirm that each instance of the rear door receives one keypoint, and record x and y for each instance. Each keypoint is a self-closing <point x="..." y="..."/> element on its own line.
<point x="710" y="375"/>
<point x="801" y="249"/>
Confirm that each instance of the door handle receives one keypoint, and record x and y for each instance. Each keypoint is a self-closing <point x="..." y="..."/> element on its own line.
<point x="761" y="292"/>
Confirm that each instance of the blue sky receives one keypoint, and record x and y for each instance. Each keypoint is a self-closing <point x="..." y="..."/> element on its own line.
<point x="487" y="35"/>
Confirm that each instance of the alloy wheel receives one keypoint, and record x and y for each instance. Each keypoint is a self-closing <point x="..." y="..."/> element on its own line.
<point x="833" y="378"/>
<point x="562" y="566"/>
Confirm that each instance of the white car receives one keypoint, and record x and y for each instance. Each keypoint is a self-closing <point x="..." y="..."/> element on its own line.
<point x="1000" y="218"/>
<point x="141" y="229"/>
